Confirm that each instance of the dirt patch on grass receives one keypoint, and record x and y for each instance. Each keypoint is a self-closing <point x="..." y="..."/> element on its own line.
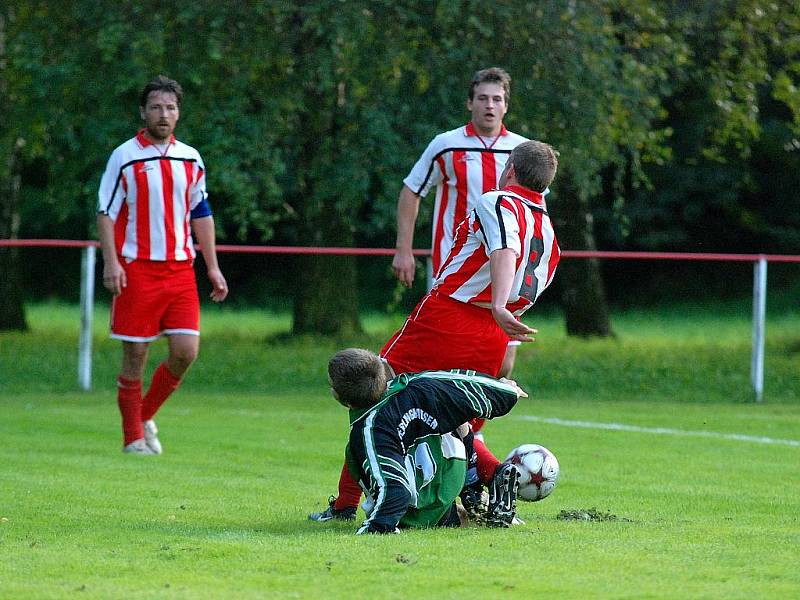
<point x="589" y="514"/>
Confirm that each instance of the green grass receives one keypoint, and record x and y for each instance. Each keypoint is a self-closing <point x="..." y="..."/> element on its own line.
<point x="253" y="443"/>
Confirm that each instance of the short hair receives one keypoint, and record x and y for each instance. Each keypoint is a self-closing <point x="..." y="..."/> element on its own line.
<point x="535" y="164"/>
<point x="162" y="83"/>
<point x="491" y="75"/>
<point x="358" y="377"/>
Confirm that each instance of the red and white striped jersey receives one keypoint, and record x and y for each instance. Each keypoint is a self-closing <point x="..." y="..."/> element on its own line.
<point x="149" y="196"/>
<point x="514" y="217"/>
<point x="462" y="165"/>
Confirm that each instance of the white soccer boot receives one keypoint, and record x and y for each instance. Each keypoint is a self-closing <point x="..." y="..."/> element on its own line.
<point x="151" y="436"/>
<point x="138" y="447"/>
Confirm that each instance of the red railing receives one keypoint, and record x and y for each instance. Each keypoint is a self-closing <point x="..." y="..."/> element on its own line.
<point x="759" y="283"/>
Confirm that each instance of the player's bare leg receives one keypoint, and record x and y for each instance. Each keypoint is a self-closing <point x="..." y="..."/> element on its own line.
<point x="183" y="351"/>
<point x="134" y="357"/>
<point x="508" y="361"/>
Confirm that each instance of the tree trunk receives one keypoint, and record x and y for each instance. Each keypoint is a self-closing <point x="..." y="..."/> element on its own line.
<point x="326" y="301"/>
<point x="326" y="287"/>
<point x="326" y="292"/>
<point x="12" y="310"/>
<point x="582" y="291"/>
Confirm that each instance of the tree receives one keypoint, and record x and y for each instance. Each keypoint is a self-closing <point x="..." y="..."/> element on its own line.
<point x="12" y="312"/>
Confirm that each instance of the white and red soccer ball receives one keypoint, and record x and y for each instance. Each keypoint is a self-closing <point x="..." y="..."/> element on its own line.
<point x="538" y="471"/>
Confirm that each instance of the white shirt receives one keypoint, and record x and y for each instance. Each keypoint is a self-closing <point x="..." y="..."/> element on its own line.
<point x="514" y="218"/>
<point x="150" y="195"/>
<point x="462" y="165"/>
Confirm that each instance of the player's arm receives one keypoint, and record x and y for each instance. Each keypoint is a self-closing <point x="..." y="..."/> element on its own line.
<point x="403" y="264"/>
<point x="502" y="265"/>
<point x="455" y="397"/>
<point x="384" y="465"/>
<point x="203" y="228"/>
<point x="114" y="278"/>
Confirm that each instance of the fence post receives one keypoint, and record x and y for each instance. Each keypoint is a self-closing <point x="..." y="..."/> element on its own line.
<point x="759" y="326"/>
<point x="87" y="309"/>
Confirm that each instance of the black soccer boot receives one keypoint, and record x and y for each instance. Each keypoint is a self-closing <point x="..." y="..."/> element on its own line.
<point x="345" y="514"/>
<point x="503" y="496"/>
<point x="472" y="499"/>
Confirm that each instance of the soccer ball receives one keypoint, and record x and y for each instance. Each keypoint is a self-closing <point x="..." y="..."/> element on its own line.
<point x="538" y="471"/>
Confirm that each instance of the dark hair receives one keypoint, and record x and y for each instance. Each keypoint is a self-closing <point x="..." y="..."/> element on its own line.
<point x="535" y="164"/>
<point x="491" y="75"/>
<point x="162" y="83"/>
<point x="357" y="376"/>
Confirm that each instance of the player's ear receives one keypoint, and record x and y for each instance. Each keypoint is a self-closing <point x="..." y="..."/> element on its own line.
<point x="142" y="113"/>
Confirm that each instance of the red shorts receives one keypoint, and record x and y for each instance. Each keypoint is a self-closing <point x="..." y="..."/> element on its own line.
<point x="160" y="299"/>
<point x="443" y="334"/>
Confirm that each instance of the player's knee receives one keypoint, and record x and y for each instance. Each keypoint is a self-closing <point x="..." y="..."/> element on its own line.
<point x="181" y="359"/>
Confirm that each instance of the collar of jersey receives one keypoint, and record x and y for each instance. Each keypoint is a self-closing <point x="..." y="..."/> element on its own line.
<point x="469" y="131"/>
<point x="394" y="386"/>
<point x="528" y="194"/>
<point x="144" y="142"/>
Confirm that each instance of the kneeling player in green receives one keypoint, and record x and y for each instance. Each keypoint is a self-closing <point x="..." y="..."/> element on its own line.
<point x="405" y="449"/>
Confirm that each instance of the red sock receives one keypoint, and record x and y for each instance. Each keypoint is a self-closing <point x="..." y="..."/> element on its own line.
<point x="349" y="491"/>
<point x="129" y="400"/>
<point x="487" y="462"/>
<point x="163" y="384"/>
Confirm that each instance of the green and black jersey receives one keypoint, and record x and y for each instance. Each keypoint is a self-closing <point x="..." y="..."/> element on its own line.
<point x="396" y="450"/>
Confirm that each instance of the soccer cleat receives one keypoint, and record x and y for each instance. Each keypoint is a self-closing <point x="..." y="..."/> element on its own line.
<point x="503" y="496"/>
<point x="138" y="447"/>
<point x="151" y="436"/>
<point x="345" y="514"/>
<point x="473" y="501"/>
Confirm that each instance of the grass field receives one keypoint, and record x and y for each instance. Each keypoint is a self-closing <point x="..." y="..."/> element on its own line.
<point x="253" y="443"/>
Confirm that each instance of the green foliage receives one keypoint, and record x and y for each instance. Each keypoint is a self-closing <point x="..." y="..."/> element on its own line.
<point x="312" y="112"/>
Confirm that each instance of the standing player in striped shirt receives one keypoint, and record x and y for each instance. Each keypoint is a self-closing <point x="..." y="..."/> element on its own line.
<point x="152" y="190"/>
<point x="463" y="164"/>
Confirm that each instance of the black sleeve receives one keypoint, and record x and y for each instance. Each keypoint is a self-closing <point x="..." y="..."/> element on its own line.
<point x="388" y="481"/>
<point x="455" y="397"/>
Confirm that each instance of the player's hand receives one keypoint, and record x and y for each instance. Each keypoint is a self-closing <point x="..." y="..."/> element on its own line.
<point x="520" y="392"/>
<point x="404" y="267"/>
<point x="114" y="277"/>
<point x="516" y="330"/>
<point x="219" y="286"/>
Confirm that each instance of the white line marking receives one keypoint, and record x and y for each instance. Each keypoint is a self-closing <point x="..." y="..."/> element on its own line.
<point x="660" y="430"/>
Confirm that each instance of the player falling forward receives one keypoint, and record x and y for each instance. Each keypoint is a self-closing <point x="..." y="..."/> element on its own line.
<point x="403" y="446"/>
